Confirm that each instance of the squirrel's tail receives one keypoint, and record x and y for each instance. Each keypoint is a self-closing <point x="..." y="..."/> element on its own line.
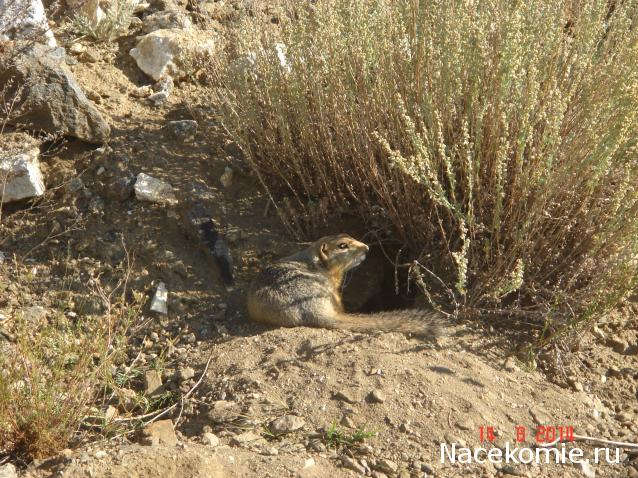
<point x="424" y="323"/>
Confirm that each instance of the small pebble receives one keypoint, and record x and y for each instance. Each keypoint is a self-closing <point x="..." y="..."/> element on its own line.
<point x="376" y="396"/>
<point x="210" y="439"/>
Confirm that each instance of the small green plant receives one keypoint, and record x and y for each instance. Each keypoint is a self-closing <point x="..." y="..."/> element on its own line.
<point x="339" y="437"/>
<point x="115" y="22"/>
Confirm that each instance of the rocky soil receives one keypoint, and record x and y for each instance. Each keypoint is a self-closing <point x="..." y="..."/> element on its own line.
<point x="259" y="401"/>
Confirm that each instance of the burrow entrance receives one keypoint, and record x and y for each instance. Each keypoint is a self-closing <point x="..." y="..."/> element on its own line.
<point x="372" y="287"/>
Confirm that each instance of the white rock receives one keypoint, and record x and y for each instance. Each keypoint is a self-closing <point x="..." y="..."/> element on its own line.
<point x="8" y="471"/>
<point x="159" y="301"/>
<point x="164" y="52"/>
<point x="148" y="188"/>
<point x="20" y="175"/>
<point x="100" y="454"/>
<point x="22" y="19"/>
<point x="310" y="462"/>
<point x="210" y="439"/>
<point x="77" y="48"/>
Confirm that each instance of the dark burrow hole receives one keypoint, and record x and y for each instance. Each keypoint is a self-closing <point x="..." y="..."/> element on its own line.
<point x="372" y="287"/>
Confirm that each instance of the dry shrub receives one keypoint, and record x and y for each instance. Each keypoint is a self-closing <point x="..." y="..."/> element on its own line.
<point x="52" y="371"/>
<point x="496" y="139"/>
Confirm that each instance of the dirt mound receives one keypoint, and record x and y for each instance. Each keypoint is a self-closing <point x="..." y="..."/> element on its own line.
<point x="404" y="396"/>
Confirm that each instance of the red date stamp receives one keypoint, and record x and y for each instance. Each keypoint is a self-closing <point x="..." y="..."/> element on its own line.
<point x="549" y="434"/>
<point x="541" y="434"/>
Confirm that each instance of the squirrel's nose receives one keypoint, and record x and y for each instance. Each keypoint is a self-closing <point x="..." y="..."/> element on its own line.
<point x="367" y="247"/>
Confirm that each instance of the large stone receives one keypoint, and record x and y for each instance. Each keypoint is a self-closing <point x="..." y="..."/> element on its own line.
<point x="25" y="20"/>
<point x="20" y="175"/>
<point x="49" y="98"/>
<point x="166" y="52"/>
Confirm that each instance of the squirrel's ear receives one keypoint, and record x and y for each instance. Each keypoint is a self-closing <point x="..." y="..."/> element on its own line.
<point x="323" y="252"/>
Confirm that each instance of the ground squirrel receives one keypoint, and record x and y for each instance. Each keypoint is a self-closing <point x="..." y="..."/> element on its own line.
<point x="304" y="290"/>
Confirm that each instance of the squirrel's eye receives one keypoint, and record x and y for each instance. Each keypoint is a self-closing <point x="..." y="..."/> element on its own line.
<point x="343" y="245"/>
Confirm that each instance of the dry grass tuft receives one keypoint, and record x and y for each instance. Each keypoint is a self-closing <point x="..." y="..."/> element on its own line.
<point x="54" y="369"/>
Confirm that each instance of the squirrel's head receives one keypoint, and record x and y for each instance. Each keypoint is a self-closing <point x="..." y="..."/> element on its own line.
<point x="340" y="253"/>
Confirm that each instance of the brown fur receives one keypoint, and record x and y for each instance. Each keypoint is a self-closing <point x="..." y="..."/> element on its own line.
<point x="304" y="290"/>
